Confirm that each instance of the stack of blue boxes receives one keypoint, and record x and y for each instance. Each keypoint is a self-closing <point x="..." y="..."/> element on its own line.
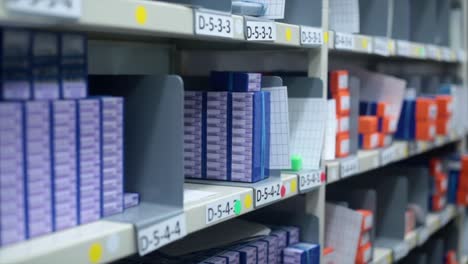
<point x="227" y="129"/>
<point x="61" y="153"/>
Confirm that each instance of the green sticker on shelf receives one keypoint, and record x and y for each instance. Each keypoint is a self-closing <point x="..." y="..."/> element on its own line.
<point x="237" y="207"/>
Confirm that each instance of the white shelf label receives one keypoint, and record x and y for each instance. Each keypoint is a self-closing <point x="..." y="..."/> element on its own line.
<point x="268" y="193"/>
<point x="344" y="41"/>
<point x="210" y="24"/>
<point x="260" y="30"/>
<point x="311" y="36"/>
<point x="220" y="210"/>
<point x="446" y="54"/>
<point x="332" y="174"/>
<point x="52" y="8"/>
<point x="388" y="155"/>
<point x="163" y="233"/>
<point x="381" y="46"/>
<point x="349" y="166"/>
<point x="310" y="179"/>
<point x="401" y="250"/>
<point x="423" y="235"/>
<point x="433" y="52"/>
<point x="403" y="48"/>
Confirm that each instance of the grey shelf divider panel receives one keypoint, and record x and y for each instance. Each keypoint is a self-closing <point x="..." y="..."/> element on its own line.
<point x="392" y="198"/>
<point x="354" y="88"/>
<point x="373" y="16"/>
<point x="153" y="144"/>
<point x="423" y="20"/>
<point x="299" y="87"/>
<point x="303" y="12"/>
<point x="418" y="187"/>
<point x="400" y="20"/>
<point x="218" y="5"/>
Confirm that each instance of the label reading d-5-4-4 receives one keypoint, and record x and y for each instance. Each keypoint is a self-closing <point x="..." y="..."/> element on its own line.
<point x="216" y="25"/>
<point x="163" y="233"/>
<point x="222" y="209"/>
<point x="260" y="31"/>
<point x="268" y="193"/>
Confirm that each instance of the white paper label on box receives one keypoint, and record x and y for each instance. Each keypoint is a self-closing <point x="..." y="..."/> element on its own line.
<point x="365" y="238"/>
<point x="388" y="155"/>
<point x="310" y="179"/>
<point x="345" y="103"/>
<point x="311" y="36"/>
<point x="401" y="250"/>
<point x="368" y="222"/>
<point x="433" y="111"/>
<point x="344" y="147"/>
<point x="260" y="30"/>
<point x="210" y="24"/>
<point x="268" y="193"/>
<point x="344" y="124"/>
<point x="52" y="8"/>
<point x="432" y="131"/>
<point x="349" y="166"/>
<point x="367" y="255"/>
<point x="220" y="210"/>
<point x="344" y="41"/>
<point x="381" y="46"/>
<point x="374" y="140"/>
<point x="423" y="235"/>
<point x="343" y="80"/>
<point x="403" y="48"/>
<point x="163" y="233"/>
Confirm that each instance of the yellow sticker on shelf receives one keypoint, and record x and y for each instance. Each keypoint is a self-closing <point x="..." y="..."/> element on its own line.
<point x="293" y="186"/>
<point x="141" y="15"/>
<point x="325" y="37"/>
<point x="288" y="34"/>
<point x="248" y="201"/>
<point x="389" y="258"/>
<point x="95" y="253"/>
<point x="364" y="43"/>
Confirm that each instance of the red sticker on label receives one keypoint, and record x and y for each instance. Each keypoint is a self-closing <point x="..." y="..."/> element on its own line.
<point x="283" y="191"/>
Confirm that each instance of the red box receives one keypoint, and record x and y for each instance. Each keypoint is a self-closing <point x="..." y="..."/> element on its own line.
<point x="425" y="130"/>
<point x="367" y="220"/>
<point x="388" y="125"/>
<point x="367" y="124"/>
<point x="438" y="202"/>
<point x="342" y="103"/>
<point x="435" y="166"/>
<point x="451" y="257"/>
<point x="370" y="141"/>
<point x="339" y="81"/>
<point x="443" y="126"/>
<point x="343" y="123"/>
<point x="444" y="106"/>
<point x="426" y="109"/>
<point x="462" y="198"/>
<point x="383" y="109"/>
<point x="440" y="182"/>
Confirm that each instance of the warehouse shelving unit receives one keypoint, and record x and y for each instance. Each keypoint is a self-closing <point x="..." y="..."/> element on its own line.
<point x="163" y="31"/>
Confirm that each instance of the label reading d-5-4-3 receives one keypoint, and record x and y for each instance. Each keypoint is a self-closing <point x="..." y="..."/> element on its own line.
<point x="222" y="209"/>
<point x="269" y="193"/>
<point x="163" y="233"/>
<point x="310" y="179"/>
<point x="216" y="25"/>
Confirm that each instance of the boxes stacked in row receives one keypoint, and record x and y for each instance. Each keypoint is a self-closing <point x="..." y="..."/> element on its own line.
<point x="227" y="129"/>
<point x="61" y="158"/>
<point x="458" y="180"/>
<point x="438" y="185"/>
<point x="376" y="125"/>
<point x="423" y="118"/>
<point x="364" y="251"/>
<point x="339" y="87"/>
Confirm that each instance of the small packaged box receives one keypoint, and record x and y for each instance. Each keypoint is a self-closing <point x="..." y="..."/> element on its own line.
<point x="439" y="183"/>
<point x="131" y="200"/>
<point x="273" y="251"/>
<point x="247" y="254"/>
<point x="236" y="81"/>
<point x="462" y="198"/>
<point x="364" y="254"/>
<point x="425" y="130"/>
<point x="387" y="125"/>
<point x="194" y="105"/>
<point x="339" y="81"/>
<point x="112" y="155"/>
<point x="282" y="237"/>
<point x="231" y="257"/>
<point x="301" y="253"/>
<point x="73" y="66"/>
<point x="444" y="106"/>
<point x="343" y="124"/>
<point x="343" y="102"/>
<point x="16" y="77"/>
<point x="407" y="123"/>
<point x="437" y="202"/>
<point x="443" y="126"/>
<point x="262" y="251"/>
<point x="38" y="167"/>
<point x="369" y="141"/>
<point x="89" y="160"/>
<point x="379" y="109"/>
<point x="385" y="140"/>
<point x="12" y="178"/>
<point x="435" y="166"/>
<point x="64" y="157"/>
<point x="45" y="65"/>
<point x="292" y="234"/>
<point x="342" y="145"/>
<point x="367" y="220"/>
<point x="426" y="109"/>
<point x="367" y="124"/>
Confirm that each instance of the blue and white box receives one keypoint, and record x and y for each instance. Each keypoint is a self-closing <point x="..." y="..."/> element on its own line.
<point x="262" y="251"/>
<point x="112" y="155"/>
<point x="73" y="66"/>
<point x="38" y="167"/>
<point x="15" y="64"/>
<point x="131" y="200"/>
<point x="301" y="253"/>
<point x="12" y="178"/>
<point x="236" y="81"/>
<point x="194" y="103"/>
<point x="45" y="65"/>
<point x="89" y="159"/>
<point x="64" y="156"/>
<point x="273" y="252"/>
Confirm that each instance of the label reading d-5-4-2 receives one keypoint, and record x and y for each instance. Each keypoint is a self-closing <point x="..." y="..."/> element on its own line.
<point x="216" y="25"/>
<point x="268" y="193"/>
<point x="220" y="210"/>
<point x="260" y="31"/>
<point x="163" y="233"/>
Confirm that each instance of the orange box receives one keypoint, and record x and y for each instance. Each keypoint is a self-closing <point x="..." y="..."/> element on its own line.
<point x="426" y="109"/>
<point x="440" y="181"/>
<point x="342" y="103"/>
<point x="385" y="140"/>
<point x="425" y="130"/>
<point x="462" y="198"/>
<point x="438" y="202"/>
<point x="443" y="126"/>
<point x="451" y="257"/>
<point x="339" y="81"/>
<point x="367" y="124"/>
<point x="464" y="163"/>
<point x="388" y="124"/>
<point x="369" y="141"/>
<point x="444" y="106"/>
<point x="364" y="254"/>
<point x="364" y="238"/>
<point x="367" y="220"/>
<point x="463" y="183"/>
<point x="383" y="109"/>
<point x="343" y="123"/>
<point x="342" y="145"/>
<point x="435" y="166"/>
